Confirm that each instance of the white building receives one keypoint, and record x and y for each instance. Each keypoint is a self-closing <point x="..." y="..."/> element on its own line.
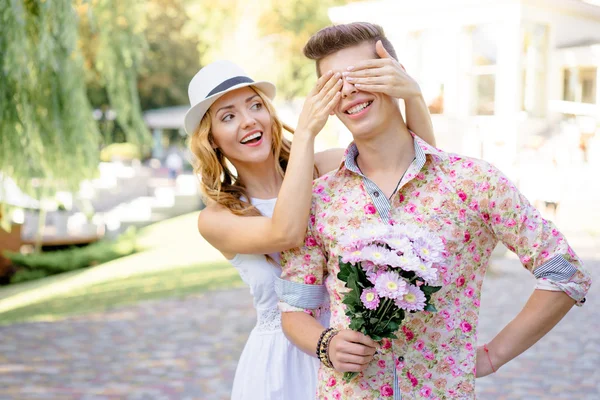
<point x="500" y="77"/>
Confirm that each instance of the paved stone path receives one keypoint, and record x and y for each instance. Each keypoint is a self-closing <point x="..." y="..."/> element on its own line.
<point x="187" y="349"/>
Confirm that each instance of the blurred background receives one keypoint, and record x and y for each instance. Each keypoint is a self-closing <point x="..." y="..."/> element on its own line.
<point x="98" y="200"/>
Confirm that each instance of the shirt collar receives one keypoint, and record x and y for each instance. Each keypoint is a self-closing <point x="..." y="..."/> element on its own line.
<point x="422" y="148"/>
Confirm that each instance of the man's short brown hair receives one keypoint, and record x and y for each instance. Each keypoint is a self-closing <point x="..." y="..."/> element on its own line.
<point x="338" y="37"/>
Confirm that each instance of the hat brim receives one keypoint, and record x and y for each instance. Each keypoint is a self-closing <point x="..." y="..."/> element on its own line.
<point x="194" y="115"/>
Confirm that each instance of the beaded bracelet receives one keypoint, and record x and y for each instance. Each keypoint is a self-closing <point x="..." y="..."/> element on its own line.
<point x="323" y="350"/>
<point x="321" y="341"/>
<point x="320" y="348"/>
<point x="326" y="350"/>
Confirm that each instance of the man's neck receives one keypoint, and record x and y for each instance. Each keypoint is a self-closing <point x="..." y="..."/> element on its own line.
<point x="389" y="152"/>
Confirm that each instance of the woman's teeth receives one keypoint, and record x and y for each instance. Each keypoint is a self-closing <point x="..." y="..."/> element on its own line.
<point x="247" y="139"/>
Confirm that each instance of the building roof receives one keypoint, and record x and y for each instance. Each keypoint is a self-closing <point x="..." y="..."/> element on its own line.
<point x="165" y="118"/>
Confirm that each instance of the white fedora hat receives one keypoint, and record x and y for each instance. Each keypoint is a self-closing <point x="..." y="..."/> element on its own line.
<point x="212" y="82"/>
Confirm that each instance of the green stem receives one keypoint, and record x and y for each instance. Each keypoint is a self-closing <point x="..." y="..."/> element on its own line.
<point x="385" y="307"/>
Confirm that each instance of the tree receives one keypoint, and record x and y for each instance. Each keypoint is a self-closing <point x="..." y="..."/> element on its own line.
<point x="49" y="138"/>
<point x="292" y="23"/>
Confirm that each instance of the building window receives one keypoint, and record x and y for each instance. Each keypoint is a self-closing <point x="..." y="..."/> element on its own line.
<point x="579" y="84"/>
<point x="430" y="51"/>
<point x="534" y="67"/>
<point x="484" y="54"/>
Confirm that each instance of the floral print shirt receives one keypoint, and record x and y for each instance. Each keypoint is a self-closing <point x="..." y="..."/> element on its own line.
<point x="471" y="205"/>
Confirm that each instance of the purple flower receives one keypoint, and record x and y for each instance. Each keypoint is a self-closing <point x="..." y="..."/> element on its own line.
<point x="379" y="255"/>
<point x="390" y="285"/>
<point x="412" y="300"/>
<point x="353" y="257"/>
<point x="370" y="299"/>
<point x="426" y="249"/>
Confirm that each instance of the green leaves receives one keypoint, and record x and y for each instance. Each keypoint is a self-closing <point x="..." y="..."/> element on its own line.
<point x="47" y="127"/>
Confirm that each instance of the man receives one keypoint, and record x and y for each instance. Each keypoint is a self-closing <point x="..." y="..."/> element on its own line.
<point x="391" y="177"/>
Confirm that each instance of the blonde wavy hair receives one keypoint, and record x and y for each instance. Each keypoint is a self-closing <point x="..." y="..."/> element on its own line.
<point x="217" y="181"/>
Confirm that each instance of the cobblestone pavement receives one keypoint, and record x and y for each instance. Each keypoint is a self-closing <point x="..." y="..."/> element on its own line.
<point x="187" y="348"/>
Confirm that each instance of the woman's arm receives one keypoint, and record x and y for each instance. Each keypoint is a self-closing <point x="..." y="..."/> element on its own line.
<point x="232" y="234"/>
<point x="418" y="119"/>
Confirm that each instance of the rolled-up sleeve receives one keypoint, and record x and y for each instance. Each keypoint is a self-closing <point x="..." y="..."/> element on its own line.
<point x="541" y="247"/>
<point x="301" y="286"/>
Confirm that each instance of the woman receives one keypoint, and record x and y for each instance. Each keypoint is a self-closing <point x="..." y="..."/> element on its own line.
<point x="254" y="214"/>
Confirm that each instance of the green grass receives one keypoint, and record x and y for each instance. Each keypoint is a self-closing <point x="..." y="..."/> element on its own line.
<point x="176" y="282"/>
<point x="174" y="261"/>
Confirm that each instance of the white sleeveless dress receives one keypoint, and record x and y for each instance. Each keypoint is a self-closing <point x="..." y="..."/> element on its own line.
<point x="270" y="367"/>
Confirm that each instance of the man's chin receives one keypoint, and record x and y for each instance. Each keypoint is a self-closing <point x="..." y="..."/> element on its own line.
<point x="359" y="129"/>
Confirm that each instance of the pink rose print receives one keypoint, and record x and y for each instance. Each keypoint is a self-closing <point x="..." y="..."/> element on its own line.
<point x="496" y="218"/>
<point x="331" y="381"/>
<point x="326" y="199"/>
<point x="386" y="390"/>
<point x="462" y="214"/>
<point x="510" y="223"/>
<point x="467" y="236"/>
<point x="474" y="205"/>
<point x="429" y="355"/>
<point x="465" y="327"/>
<point x="419" y="345"/>
<point x="486" y="217"/>
<point x="469" y="346"/>
<point x="408" y="333"/>
<point x="460" y="281"/>
<point x="307" y="257"/>
<point x="381" y="364"/>
<point x="370" y="209"/>
<point x="469" y="292"/>
<point x="414" y="382"/>
<point x="401" y="198"/>
<point x="410" y="208"/>
<point x="386" y="343"/>
<point x="310" y="242"/>
<point x="312" y="219"/>
<point x="484" y="187"/>
<point x="336" y="394"/>
<point x="319" y="189"/>
<point x="425" y="391"/>
<point x="462" y="195"/>
<point x="310" y="279"/>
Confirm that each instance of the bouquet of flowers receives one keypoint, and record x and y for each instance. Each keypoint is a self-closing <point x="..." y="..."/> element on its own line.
<point x="390" y="271"/>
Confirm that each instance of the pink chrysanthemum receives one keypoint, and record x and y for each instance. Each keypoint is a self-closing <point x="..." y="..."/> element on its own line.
<point x="379" y="255"/>
<point x="412" y="300"/>
<point x="370" y="299"/>
<point x="390" y="285"/>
